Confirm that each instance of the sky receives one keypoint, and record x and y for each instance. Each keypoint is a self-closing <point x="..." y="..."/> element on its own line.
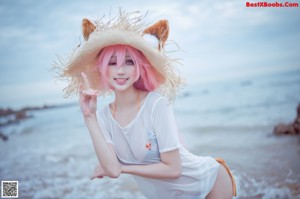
<point x="217" y="39"/>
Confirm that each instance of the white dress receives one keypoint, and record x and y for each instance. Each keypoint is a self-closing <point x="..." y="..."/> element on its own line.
<point x="155" y="124"/>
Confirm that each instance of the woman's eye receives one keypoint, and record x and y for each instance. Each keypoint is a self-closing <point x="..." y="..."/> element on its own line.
<point x="129" y="62"/>
<point x="112" y="63"/>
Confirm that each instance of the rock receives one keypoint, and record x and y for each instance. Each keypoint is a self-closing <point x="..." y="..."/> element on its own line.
<point x="284" y="129"/>
<point x="289" y="129"/>
<point x="20" y="115"/>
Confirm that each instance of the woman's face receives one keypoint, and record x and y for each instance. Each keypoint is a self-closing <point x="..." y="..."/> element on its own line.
<point x="121" y="78"/>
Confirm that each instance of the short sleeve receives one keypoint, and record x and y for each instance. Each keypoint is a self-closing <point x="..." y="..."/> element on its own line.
<point x="103" y="123"/>
<point x="165" y="126"/>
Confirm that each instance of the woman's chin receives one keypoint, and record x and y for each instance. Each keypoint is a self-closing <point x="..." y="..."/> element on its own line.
<point x="121" y="88"/>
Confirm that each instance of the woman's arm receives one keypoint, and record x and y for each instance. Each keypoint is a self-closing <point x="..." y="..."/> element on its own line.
<point x="105" y="152"/>
<point x="169" y="167"/>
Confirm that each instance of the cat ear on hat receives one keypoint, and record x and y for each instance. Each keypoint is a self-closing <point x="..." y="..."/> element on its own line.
<point x="87" y="28"/>
<point x="160" y="30"/>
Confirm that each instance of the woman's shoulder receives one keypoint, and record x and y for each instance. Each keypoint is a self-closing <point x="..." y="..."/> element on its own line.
<point x="154" y="96"/>
<point x="157" y="95"/>
<point x="154" y="99"/>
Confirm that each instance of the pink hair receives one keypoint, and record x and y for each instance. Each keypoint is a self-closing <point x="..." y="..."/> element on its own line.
<point x="147" y="78"/>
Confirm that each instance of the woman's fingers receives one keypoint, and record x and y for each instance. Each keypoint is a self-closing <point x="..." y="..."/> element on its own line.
<point x="87" y="90"/>
<point x="87" y="97"/>
<point x="92" y="178"/>
<point x="86" y="81"/>
<point x="90" y="92"/>
<point x="98" y="172"/>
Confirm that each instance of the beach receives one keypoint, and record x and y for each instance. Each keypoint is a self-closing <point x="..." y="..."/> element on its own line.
<point x="52" y="156"/>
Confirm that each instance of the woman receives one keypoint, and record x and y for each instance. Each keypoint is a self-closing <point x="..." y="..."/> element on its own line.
<point x="137" y="134"/>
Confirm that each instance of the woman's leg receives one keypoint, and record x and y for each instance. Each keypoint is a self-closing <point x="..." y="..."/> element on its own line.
<point x="222" y="188"/>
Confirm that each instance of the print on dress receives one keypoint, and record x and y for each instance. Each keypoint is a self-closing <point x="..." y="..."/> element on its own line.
<point x="151" y="146"/>
<point x="148" y="145"/>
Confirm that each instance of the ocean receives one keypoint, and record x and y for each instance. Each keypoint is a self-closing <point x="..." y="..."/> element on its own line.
<point x="51" y="153"/>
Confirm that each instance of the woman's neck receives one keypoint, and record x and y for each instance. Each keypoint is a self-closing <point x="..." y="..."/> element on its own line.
<point x="126" y="99"/>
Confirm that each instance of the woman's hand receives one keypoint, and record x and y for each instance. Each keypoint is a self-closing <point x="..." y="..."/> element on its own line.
<point x="98" y="172"/>
<point x="87" y="98"/>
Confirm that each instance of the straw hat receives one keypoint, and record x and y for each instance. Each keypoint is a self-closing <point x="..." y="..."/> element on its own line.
<point x="125" y="28"/>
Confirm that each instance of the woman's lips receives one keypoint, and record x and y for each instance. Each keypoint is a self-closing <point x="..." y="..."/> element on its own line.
<point x="121" y="81"/>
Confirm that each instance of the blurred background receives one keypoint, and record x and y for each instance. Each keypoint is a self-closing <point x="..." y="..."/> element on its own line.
<point x="241" y="65"/>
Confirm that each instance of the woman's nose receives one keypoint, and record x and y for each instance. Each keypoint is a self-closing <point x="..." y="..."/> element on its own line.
<point x="121" y="70"/>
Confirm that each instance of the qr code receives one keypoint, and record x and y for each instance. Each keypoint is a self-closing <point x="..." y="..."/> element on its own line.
<point x="9" y="189"/>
